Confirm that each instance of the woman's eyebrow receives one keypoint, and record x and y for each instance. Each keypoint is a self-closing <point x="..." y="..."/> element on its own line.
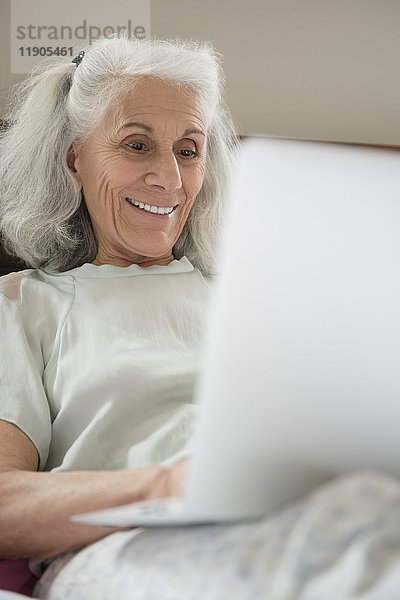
<point x="194" y="130"/>
<point x="135" y="124"/>
<point x="150" y="129"/>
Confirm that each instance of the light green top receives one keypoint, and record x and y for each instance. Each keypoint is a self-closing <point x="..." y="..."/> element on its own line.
<point x="98" y="363"/>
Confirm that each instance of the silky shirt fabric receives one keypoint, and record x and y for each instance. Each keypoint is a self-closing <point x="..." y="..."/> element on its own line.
<point x="98" y="364"/>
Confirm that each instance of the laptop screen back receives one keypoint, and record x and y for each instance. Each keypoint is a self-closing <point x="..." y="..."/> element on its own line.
<point x="301" y="373"/>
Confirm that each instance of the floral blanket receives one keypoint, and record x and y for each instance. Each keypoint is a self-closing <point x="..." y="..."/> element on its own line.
<point x="342" y="542"/>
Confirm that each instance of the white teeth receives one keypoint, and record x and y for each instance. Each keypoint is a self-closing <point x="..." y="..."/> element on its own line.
<point x="158" y="210"/>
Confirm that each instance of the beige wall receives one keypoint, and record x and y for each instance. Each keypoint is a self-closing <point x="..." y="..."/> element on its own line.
<point x="326" y="69"/>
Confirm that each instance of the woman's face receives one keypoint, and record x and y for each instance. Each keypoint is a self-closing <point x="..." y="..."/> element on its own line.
<point x="140" y="171"/>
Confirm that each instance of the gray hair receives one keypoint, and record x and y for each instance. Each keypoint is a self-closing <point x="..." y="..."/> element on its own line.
<point x="43" y="216"/>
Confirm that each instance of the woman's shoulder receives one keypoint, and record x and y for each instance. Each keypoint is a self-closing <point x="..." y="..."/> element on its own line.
<point x="10" y="284"/>
<point x="34" y="283"/>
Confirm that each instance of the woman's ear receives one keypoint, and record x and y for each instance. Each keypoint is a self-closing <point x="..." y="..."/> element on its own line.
<point x="72" y="164"/>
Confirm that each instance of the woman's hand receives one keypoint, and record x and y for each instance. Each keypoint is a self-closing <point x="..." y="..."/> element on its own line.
<point x="177" y="479"/>
<point x="157" y="481"/>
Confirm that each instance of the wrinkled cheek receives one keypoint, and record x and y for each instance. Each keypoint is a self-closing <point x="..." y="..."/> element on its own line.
<point x="200" y="183"/>
<point x="105" y="209"/>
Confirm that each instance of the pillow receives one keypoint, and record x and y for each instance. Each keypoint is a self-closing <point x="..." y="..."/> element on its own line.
<point x="8" y="263"/>
<point x="15" y="576"/>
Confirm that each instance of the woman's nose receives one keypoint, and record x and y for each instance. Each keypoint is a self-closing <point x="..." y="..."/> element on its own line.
<point x="164" y="173"/>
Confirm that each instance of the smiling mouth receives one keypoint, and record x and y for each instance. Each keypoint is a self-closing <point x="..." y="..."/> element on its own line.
<point x="150" y="208"/>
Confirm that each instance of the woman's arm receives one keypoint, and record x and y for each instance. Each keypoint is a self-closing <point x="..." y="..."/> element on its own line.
<point x="35" y="507"/>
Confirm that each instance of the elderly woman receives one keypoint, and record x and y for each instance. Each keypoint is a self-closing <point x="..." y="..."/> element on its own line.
<point x="113" y="175"/>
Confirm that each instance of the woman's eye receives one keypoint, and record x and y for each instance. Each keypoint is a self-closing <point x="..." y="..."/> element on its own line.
<point x="187" y="153"/>
<point x="137" y="146"/>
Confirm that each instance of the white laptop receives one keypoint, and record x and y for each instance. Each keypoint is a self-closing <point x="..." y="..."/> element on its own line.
<point x="301" y="376"/>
